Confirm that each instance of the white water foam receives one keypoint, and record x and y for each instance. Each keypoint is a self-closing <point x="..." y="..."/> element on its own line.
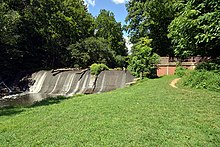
<point x="39" y="80"/>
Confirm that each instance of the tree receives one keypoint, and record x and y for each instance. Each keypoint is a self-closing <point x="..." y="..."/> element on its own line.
<point x="150" y="18"/>
<point x="9" y="38"/>
<point x="143" y="60"/>
<point x="108" y="28"/>
<point x="46" y="29"/>
<point x="91" y="50"/>
<point x="196" y="31"/>
<point x="35" y="34"/>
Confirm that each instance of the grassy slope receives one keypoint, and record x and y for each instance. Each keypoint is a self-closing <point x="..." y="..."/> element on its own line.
<point x="150" y="113"/>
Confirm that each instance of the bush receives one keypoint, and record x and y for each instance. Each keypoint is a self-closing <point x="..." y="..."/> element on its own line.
<point x="181" y="71"/>
<point x="202" y="79"/>
<point x="96" y="69"/>
<point x="211" y="65"/>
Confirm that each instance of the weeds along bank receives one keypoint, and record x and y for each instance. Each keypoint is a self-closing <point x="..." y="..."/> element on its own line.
<point x="205" y="76"/>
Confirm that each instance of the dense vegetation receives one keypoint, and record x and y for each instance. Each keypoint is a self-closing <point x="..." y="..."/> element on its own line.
<point x="178" y="27"/>
<point x="205" y="76"/>
<point x="202" y="80"/>
<point x="151" y="113"/>
<point x="62" y="33"/>
<point x="57" y="33"/>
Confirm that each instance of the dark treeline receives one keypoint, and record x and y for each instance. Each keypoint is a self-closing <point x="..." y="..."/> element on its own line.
<point x="40" y="34"/>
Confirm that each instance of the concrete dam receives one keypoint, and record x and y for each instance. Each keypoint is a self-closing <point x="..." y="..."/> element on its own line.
<point x="78" y="82"/>
<point x="67" y="82"/>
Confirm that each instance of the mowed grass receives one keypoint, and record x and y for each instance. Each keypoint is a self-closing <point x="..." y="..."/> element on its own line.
<point x="150" y="113"/>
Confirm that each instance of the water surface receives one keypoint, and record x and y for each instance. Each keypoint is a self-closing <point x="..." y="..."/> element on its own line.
<point x="24" y="99"/>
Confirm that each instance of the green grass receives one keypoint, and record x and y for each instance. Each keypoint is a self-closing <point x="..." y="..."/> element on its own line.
<point x="150" y="113"/>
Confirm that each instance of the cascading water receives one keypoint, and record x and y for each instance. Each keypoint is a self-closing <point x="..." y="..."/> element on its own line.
<point x="38" y="79"/>
<point x="68" y="83"/>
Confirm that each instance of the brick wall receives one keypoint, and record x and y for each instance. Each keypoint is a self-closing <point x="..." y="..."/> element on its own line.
<point x="165" y="70"/>
<point x="167" y="67"/>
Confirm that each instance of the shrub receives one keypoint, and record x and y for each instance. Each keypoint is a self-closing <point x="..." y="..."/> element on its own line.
<point x="97" y="68"/>
<point x="181" y="71"/>
<point x="202" y="79"/>
<point x="211" y="65"/>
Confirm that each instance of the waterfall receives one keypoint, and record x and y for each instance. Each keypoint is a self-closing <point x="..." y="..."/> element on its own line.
<point x="38" y="79"/>
<point x="66" y="87"/>
<point x="67" y="82"/>
<point x="77" y="82"/>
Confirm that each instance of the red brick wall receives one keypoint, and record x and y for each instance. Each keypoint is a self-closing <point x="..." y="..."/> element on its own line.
<point x="165" y="70"/>
<point x="168" y="70"/>
<point x="167" y="65"/>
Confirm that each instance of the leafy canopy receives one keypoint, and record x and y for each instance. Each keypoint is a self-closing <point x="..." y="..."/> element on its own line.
<point x="91" y="50"/>
<point x="150" y="18"/>
<point x="142" y="61"/>
<point x="196" y="30"/>
<point x="108" y="28"/>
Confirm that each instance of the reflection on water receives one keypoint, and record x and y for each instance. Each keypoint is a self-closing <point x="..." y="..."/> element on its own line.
<point x="24" y="99"/>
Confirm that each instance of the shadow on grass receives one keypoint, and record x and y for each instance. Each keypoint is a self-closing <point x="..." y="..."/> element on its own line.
<point x="52" y="100"/>
<point x="49" y="101"/>
<point x="8" y="111"/>
<point x="13" y="110"/>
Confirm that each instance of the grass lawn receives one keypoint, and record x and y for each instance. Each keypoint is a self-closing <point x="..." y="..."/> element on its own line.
<point x="150" y="113"/>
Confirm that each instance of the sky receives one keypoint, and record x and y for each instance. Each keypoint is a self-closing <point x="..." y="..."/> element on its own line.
<point x="115" y="6"/>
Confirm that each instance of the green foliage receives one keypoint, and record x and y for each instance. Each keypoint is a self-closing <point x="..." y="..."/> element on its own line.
<point x="91" y="50"/>
<point x="203" y="80"/>
<point x="150" y="18"/>
<point x="57" y="33"/>
<point x="196" y="30"/>
<point x="120" y="61"/>
<point x="180" y="27"/>
<point x="211" y="65"/>
<point x="9" y="38"/>
<point x="9" y="22"/>
<point x="181" y="71"/>
<point x="108" y="28"/>
<point x="35" y="34"/>
<point x="142" y="61"/>
<point x="96" y="69"/>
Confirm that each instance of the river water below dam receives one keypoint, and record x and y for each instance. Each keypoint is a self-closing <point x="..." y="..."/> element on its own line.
<point x="67" y="83"/>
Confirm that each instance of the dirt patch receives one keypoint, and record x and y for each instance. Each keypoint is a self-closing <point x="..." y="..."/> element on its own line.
<point x="173" y="83"/>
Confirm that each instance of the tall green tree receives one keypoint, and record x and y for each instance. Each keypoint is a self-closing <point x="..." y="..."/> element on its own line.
<point x="196" y="30"/>
<point x="108" y="28"/>
<point x="150" y="18"/>
<point x="142" y="61"/>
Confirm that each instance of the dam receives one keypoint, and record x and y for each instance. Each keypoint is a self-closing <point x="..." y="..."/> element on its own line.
<point x="63" y="82"/>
